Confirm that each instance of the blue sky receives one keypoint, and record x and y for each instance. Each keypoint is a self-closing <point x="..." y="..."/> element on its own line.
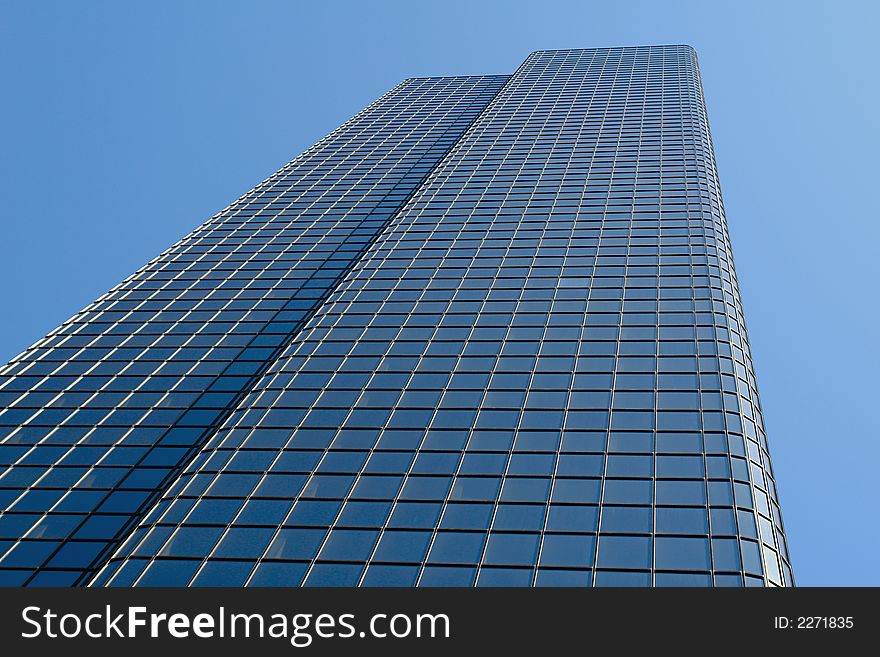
<point x="125" y="125"/>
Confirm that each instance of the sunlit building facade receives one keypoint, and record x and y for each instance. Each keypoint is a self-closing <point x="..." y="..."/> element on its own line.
<point x="487" y="333"/>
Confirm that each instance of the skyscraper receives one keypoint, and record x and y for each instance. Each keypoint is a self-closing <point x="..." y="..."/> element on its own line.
<point x="488" y="332"/>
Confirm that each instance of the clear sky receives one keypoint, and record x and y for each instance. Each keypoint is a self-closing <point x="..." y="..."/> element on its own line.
<point x="124" y="125"/>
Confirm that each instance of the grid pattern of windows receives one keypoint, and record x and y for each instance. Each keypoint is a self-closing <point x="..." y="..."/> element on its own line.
<point x="99" y="416"/>
<point x="538" y="375"/>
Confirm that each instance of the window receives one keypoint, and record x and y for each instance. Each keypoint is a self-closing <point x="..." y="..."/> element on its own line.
<point x="296" y="544"/>
<point x="447" y="576"/>
<point x="577" y="578"/>
<point x="169" y="573"/>
<point x="625" y="519"/>
<point x="270" y="573"/>
<point x="364" y="514"/>
<point x="622" y="578"/>
<point x="628" y="491"/>
<point x="223" y="573"/>
<point x="512" y="549"/>
<point x="624" y="552"/>
<point x="325" y="574"/>
<point x="676" y="553"/>
<point x="579" y="491"/>
<point x="467" y="516"/>
<point x="403" y="546"/>
<point x="191" y="542"/>
<point x="725" y="554"/>
<point x="683" y="579"/>
<point x="387" y="575"/>
<point x="570" y="550"/>
<point x="504" y="577"/>
<point x="522" y="517"/>
<point x="681" y="492"/>
<point x="313" y="512"/>
<point x="244" y="542"/>
<point x="526" y="489"/>
<point x="677" y="520"/>
<point x="475" y="488"/>
<point x="415" y="515"/>
<point x="456" y="548"/>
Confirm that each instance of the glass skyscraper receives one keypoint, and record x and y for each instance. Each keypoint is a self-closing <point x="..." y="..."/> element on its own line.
<point x="488" y="332"/>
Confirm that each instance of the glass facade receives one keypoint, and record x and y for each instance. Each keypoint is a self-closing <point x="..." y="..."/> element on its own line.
<point x="531" y="370"/>
<point x="104" y="412"/>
